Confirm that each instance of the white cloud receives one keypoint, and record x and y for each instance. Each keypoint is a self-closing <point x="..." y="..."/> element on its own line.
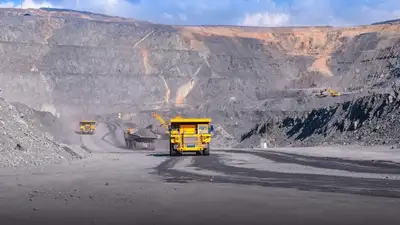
<point x="266" y="19"/>
<point x="7" y="5"/>
<point x="26" y="4"/>
<point x="168" y="16"/>
<point x="110" y="7"/>
<point x="33" y="4"/>
<point x="379" y="13"/>
<point x="182" y="16"/>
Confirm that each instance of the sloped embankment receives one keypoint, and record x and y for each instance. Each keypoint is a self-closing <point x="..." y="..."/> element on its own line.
<point x="22" y="143"/>
<point x="368" y="120"/>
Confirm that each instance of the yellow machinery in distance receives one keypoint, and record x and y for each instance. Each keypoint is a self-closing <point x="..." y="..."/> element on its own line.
<point x="330" y="91"/>
<point x="188" y="134"/>
<point x="87" y="126"/>
<point x="333" y="93"/>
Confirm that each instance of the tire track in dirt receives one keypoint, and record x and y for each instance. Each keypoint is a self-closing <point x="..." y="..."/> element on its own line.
<point x="368" y="179"/>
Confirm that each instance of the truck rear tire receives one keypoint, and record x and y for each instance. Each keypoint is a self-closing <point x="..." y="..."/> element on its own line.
<point x="172" y="151"/>
<point x="128" y="144"/>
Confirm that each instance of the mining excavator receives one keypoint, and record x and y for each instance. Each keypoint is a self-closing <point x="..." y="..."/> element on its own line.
<point x="188" y="134"/>
<point x="326" y="92"/>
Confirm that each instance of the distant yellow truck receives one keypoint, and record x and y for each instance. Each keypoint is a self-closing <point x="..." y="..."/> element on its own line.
<point x="87" y="126"/>
<point x="326" y="92"/>
<point x="188" y="135"/>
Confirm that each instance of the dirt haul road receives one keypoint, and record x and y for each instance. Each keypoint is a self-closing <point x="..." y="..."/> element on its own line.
<point x="120" y="186"/>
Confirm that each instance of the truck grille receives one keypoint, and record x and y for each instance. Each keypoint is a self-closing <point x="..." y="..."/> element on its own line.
<point x="190" y="140"/>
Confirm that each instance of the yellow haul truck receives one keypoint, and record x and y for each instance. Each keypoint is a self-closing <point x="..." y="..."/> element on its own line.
<point x="87" y="126"/>
<point x="188" y="134"/>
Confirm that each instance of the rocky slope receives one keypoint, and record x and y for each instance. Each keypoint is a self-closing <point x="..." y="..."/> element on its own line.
<point x="367" y="120"/>
<point x="23" y="142"/>
<point x="75" y="64"/>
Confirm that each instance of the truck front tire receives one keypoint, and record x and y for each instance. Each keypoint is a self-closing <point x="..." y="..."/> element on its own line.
<point x="128" y="144"/>
<point x="172" y="150"/>
<point x="206" y="151"/>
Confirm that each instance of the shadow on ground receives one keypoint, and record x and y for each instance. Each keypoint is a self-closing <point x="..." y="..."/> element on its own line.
<point x="167" y="155"/>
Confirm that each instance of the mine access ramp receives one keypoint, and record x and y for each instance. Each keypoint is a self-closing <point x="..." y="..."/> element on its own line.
<point x="188" y="134"/>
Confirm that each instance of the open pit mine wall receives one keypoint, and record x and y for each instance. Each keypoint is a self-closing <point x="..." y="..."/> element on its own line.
<point x="367" y="120"/>
<point x="96" y="66"/>
<point x="76" y="64"/>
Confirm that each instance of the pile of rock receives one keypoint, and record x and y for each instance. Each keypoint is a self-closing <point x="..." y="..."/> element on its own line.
<point x="23" y="144"/>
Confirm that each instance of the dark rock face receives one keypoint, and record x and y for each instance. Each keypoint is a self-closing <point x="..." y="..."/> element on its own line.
<point x="369" y="120"/>
<point x="388" y="22"/>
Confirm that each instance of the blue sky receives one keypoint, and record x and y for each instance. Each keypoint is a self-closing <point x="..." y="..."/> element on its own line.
<point x="234" y="12"/>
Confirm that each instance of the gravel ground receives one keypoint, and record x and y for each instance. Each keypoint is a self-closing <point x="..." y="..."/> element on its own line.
<point x="117" y="186"/>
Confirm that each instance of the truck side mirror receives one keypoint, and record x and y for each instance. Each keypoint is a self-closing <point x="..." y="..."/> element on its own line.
<point x="211" y="128"/>
<point x="169" y="128"/>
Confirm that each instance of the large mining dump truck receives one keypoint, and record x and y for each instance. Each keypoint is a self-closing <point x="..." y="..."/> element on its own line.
<point x="140" y="139"/>
<point x="87" y="127"/>
<point x="188" y="135"/>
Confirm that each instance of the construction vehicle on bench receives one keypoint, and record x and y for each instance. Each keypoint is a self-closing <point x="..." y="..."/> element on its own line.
<point x="326" y="92"/>
<point x="188" y="134"/>
<point x="139" y="139"/>
<point x="87" y="126"/>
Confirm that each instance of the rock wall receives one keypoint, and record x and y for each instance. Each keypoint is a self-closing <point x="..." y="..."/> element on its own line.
<point x="82" y="64"/>
<point x="368" y="120"/>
